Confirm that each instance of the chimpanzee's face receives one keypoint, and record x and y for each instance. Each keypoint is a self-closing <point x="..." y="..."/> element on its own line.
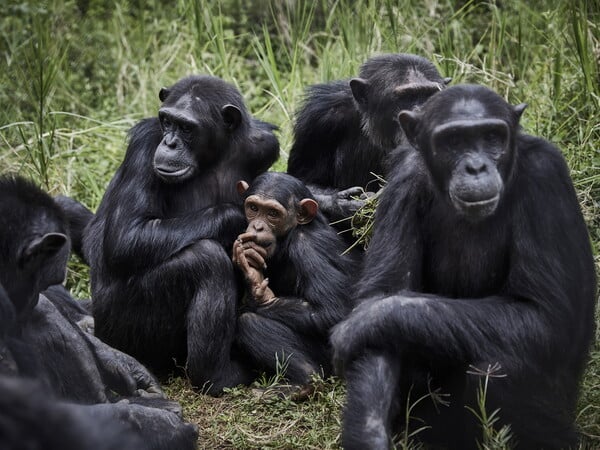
<point x="269" y="219"/>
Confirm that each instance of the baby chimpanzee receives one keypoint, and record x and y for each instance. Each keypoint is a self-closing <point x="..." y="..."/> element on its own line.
<point x="296" y="274"/>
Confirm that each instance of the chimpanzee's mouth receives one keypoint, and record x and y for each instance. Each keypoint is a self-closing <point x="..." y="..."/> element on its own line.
<point x="477" y="203"/>
<point x="476" y="208"/>
<point x="170" y="174"/>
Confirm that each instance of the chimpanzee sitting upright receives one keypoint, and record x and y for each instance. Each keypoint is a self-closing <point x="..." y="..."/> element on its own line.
<point x="346" y="130"/>
<point x="163" y="285"/>
<point x="40" y="341"/>
<point x="297" y="277"/>
<point x="480" y="258"/>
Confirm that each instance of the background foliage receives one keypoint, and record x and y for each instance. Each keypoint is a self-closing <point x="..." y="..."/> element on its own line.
<point x="76" y="74"/>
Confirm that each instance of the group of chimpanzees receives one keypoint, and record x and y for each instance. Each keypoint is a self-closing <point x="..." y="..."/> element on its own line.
<point x="479" y="266"/>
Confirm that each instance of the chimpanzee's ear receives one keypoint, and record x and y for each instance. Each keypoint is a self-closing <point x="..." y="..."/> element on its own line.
<point x="232" y="116"/>
<point x="447" y="80"/>
<point x="360" y="90"/>
<point x="163" y="93"/>
<point x="41" y="249"/>
<point x="308" y="211"/>
<point x="242" y="186"/>
<point x="518" y="109"/>
<point x="409" y="120"/>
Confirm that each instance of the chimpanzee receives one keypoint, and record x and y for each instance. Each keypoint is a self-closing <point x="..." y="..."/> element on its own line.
<point x="296" y="274"/>
<point x="25" y="406"/>
<point x="28" y="414"/>
<point x="163" y="285"/>
<point x="346" y="130"/>
<point x="480" y="263"/>
<point x="39" y="342"/>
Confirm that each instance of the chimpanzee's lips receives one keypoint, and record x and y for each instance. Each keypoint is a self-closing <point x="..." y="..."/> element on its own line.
<point x="170" y="173"/>
<point x="476" y="208"/>
<point x="477" y="203"/>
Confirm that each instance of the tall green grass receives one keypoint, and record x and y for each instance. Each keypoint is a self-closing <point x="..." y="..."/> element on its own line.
<point x="76" y="74"/>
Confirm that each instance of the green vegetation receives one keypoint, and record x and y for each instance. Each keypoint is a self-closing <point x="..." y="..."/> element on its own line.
<point x="78" y="73"/>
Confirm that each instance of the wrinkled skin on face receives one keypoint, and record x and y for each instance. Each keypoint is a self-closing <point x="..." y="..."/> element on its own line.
<point x="469" y="151"/>
<point x="268" y="222"/>
<point x="191" y="135"/>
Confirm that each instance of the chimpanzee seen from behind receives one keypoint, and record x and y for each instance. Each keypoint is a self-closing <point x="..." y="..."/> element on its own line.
<point x="77" y="377"/>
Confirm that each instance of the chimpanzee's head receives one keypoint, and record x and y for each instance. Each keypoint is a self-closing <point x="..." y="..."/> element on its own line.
<point x="275" y="204"/>
<point x="200" y="118"/>
<point x="388" y="84"/>
<point x="467" y="135"/>
<point x="34" y="246"/>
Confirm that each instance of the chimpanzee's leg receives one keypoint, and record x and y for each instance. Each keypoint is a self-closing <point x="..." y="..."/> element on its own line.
<point x="372" y="389"/>
<point x="211" y="322"/>
<point x="267" y="342"/>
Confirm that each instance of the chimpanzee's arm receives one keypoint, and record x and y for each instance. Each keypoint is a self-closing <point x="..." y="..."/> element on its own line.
<point x="78" y="216"/>
<point x="138" y="242"/>
<point x="394" y="255"/>
<point x="135" y="233"/>
<point x="545" y="308"/>
<point x="320" y="297"/>
<point x="339" y="204"/>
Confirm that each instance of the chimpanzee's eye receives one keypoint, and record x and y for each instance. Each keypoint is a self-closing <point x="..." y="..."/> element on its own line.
<point x="492" y="137"/>
<point x="165" y="122"/>
<point x="273" y="213"/>
<point x="453" y="140"/>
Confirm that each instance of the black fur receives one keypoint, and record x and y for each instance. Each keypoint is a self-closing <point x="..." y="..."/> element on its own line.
<point x="309" y="275"/>
<point x="40" y="340"/>
<point x="340" y="143"/>
<point x="163" y="285"/>
<point x="442" y="294"/>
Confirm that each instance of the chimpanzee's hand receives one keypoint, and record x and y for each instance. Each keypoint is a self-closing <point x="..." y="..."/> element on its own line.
<point x="255" y="253"/>
<point x="257" y="284"/>
<point x="241" y="259"/>
<point x="262" y="293"/>
<point x="124" y="374"/>
<point x="343" y="204"/>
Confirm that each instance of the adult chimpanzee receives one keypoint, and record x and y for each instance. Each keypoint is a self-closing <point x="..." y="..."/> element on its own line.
<point x="28" y="413"/>
<point x="297" y="277"/>
<point x="38" y="341"/>
<point x="163" y="286"/>
<point x="346" y="130"/>
<point x="30" y="418"/>
<point x="480" y="256"/>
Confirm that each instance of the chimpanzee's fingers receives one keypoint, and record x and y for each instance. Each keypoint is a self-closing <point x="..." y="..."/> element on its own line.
<point x="366" y="195"/>
<point x="354" y="191"/>
<point x="247" y="236"/>
<point x="242" y="262"/>
<point x="254" y="258"/>
<point x="260" y="291"/>
<point x="259" y="248"/>
<point x="234" y="251"/>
